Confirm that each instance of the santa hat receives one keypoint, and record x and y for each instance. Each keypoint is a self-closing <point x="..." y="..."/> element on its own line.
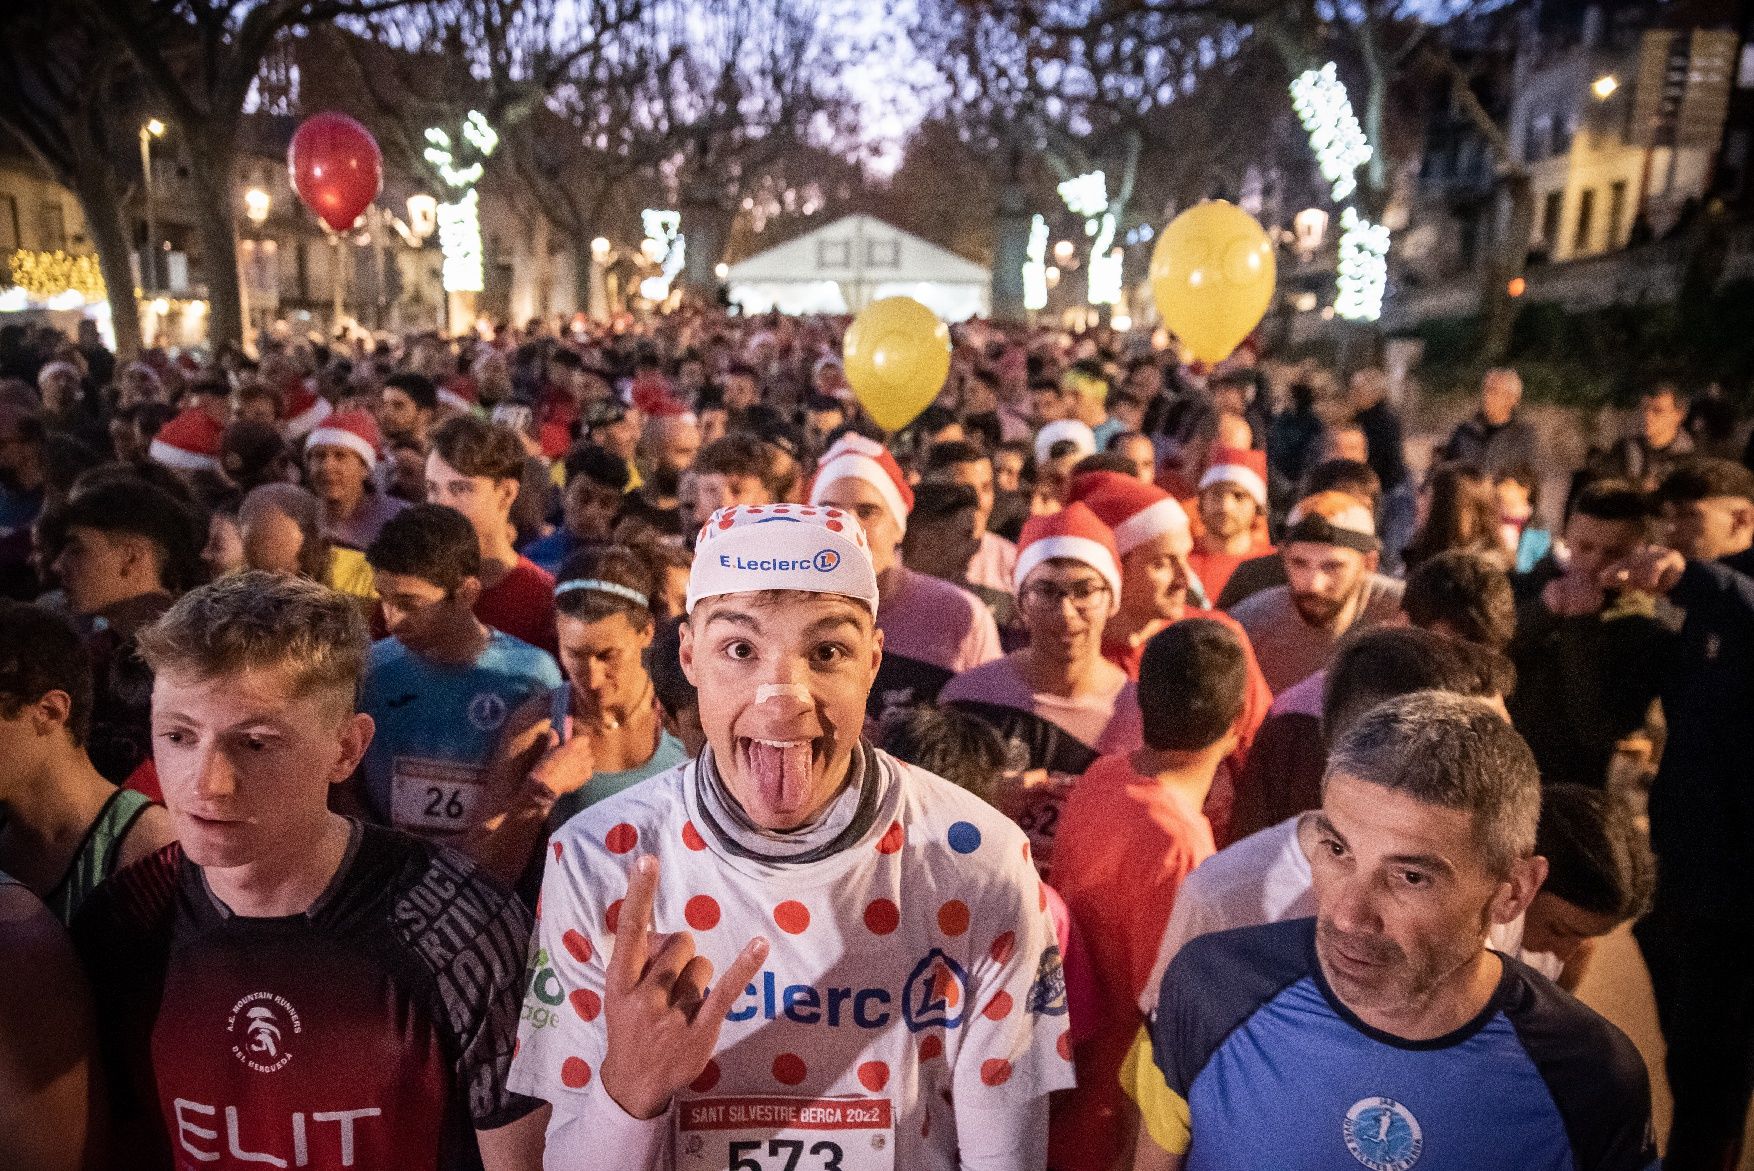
<point x="1079" y="433"/>
<point x="354" y="430"/>
<point x="460" y="394"/>
<point x="750" y="547"/>
<point x="1246" y="469"/>
<point x="1332" y="518"/>
<point x="855" y="457"/>
<point x="189" y="442"/>
<point x="1135" y="511"/>
<point x="304" y="409"/>
<point x="1074" y="533"/>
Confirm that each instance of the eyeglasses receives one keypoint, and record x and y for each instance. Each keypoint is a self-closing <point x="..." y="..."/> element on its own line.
<point x="1045" y="595"/>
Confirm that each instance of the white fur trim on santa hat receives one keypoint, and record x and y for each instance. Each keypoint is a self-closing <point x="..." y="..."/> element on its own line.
<point x="1243" y="477"/>
<point x="1166" y="516"/>
<point x="852" y="465"/>
<point x="342" y="437"/>
<point x="1078" y="432"/>
<point x="1092" y="553"/>
<point x="172" y="456"/>
<point x="454" y="400"/>
<point x="299" y="424"/>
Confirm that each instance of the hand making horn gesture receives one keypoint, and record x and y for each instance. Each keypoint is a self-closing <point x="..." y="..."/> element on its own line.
<point x="663" y="1021"/>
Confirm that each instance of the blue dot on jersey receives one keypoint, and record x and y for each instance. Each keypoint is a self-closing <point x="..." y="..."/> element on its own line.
<point x="964" y="838"/>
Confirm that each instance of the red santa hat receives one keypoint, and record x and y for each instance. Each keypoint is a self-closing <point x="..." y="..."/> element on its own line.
<point x="460" y="394"/>
<point x="304" y="409"/>
<point x="855" y="457"/>
<point x="1246" y="469"/>
<point x="354" y="430"/>
<point x="1135" y="511"/>
<point x="1074" y="533"/>
<point x="189" y="442"/>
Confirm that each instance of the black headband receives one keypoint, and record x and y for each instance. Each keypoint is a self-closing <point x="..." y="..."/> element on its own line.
<point x="1319" y="530"/>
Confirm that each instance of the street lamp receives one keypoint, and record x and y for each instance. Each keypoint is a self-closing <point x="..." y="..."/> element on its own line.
<point x="1604" y="86"/>
<point x="256" y="203"/>
<point x="422" y="217"/>
<point x="150" y="130"/>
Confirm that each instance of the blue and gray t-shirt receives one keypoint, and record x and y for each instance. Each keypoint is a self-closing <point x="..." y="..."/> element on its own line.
<point x="1251" y="1061"/>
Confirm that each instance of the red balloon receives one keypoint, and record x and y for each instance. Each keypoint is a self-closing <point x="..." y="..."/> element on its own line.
<point x="336" y="168"/>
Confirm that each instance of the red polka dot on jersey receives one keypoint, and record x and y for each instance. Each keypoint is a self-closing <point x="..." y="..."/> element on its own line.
<point x="792" y="917"/>
<point x="788" y="1069"/>
<point x="558" y="850"/>
<point x="575" y="1073"/>
<point x="589" y="1005"/>
<point x="1003" y="947"/>
<point x="781" y="510"/>
<point x="1041" y="896"/>
<point x="538" y="906"/>
<point x="612" y="916"/>
<point x="997" y="1009"/>
<point x="691" y="837"/>
<point x="1026" y="851"/>
<point x="834" y="512"/>
<point x="1064" y="1045"/>
<point x="882" y="916"/>
<point x="953" y="917"/>
<point x="931" y="1046"/>
<point x="702" y="912"/>
<point x="834" y="526"/>
<point x="621" y="838"/>
<point x="874" y="1075"/>
<point x="755" y="510"/>
<point x="577" y="946"/>
<point x="709" y="1077"/>
<point x="892" y="838"/>
<point x="995" y="1071"/>
<point x="726" y="522"/>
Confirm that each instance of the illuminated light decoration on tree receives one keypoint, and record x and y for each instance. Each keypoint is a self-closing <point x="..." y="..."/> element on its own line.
<point x="1319" y="97"/>
<point x="1364" y="267"/>
<point x="663" y="246"/>
<point x="459" y="234"/>
<point x="45" y="276"/>
<point x="1087" y="196"/>
<point x="459" y="220"/>
<point x="1035" y="269"/>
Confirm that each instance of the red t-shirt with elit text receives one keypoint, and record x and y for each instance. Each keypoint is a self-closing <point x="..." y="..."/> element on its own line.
<point x="521" y="604"/>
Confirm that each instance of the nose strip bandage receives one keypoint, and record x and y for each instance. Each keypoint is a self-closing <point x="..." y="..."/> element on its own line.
<point x="769" y="691"/>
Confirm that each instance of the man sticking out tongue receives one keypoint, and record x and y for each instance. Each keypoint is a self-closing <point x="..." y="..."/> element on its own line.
<point x="794" y="950"/>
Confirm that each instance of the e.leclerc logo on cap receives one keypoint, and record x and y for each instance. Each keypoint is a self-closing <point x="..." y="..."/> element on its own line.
<point x="826" y="561"/>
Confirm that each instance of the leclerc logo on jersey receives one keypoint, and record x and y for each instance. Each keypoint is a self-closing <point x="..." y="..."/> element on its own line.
<point x="932" y="998"/>
<point x="935" y="993"/>
<point x="262" y="1026"/>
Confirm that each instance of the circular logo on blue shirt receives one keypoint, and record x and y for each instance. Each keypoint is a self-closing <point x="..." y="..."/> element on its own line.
<point x="1383" y="1134"/>
<point x="825" y="561"/>
<point x="487" y="711"/>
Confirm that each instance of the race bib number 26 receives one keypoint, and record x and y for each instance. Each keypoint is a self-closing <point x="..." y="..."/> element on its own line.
<point x="433" y="796"/>
<point x="785" y="1134"/>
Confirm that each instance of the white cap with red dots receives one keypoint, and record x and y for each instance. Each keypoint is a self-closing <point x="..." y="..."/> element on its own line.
<point x="750" y="547"/>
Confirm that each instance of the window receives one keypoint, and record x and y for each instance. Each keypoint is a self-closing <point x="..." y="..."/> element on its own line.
<point x="1540" y="137"/>
<point x="834" y="254"/>
<point x="1616" y="213"/>
<point x="883" y="253"/>
<point x="51" y="226"/>
<point x="8" y="223"/>
<point x="1550" y="218"/>
<point x="1586" y="214"/>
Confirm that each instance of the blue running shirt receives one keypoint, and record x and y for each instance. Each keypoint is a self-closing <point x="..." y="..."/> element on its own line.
<point x="437" y="726"/>
<point x="1251" y="1062"/>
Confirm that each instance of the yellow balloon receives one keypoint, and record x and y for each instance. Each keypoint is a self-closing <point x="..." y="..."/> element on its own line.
<point x="897" y="357"/>
<point x="1212" y="276"/>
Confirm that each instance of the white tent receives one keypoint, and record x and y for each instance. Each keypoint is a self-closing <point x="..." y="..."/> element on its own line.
<point x="844" y="266"/>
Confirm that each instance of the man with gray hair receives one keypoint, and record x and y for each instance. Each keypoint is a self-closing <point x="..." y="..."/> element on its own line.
<point x="1431" y="1048"/>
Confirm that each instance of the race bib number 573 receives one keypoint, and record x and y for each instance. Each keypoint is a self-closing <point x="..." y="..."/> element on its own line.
<point x="785" y="1134"/>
